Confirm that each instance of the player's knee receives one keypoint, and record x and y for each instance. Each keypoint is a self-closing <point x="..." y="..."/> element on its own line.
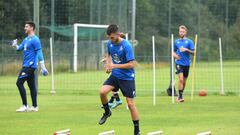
<point x="19" y="83"/>
<point x="102" y="91"/>
<point x="181" y="80"/>
<point x="131" y="105"/>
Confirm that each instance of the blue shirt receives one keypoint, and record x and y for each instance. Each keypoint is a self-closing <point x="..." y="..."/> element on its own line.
<point x="185" y="57"/>
<point x="30" y="47"/>
<point x="121" y="53"/>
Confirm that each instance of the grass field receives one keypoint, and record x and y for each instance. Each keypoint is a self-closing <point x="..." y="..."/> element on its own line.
<point x="77" y="105"/>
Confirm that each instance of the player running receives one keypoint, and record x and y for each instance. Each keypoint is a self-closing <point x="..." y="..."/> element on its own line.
<point x="122" y="77"/>
<point x="183" y="47"/>
<point x="32" y="52"/>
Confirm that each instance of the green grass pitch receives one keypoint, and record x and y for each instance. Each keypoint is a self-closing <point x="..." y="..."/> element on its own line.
<point x="76" y="105"/>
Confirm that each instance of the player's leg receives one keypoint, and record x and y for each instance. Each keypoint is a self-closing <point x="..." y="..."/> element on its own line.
<point x="118" y="100"/>
<point x="20" y="84"/>
<point x="134" y="114"/>
<point x="128" y="89"/>
<point x="180" y="72"/>
<point x="108" y="86"/>
<point x="185" y="76"/>
<point x="33" y="90"/>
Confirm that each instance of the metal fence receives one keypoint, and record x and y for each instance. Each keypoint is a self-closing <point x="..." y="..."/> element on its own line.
<point x="209" y="19"/>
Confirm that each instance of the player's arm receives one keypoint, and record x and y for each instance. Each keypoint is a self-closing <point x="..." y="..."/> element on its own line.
<point x="38" y="49"/>
<point x="187" y="50"/>
<point x="174" y="52"/>
<point x="128" y="65"/>
<point x="190" y="48"/>
<point x="18" y="47"/>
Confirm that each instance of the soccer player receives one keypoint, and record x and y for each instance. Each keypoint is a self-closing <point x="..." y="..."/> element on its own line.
<point x="122" y="75"/>
<point x="32" y="52"/>
<point x="115" y="91"/>
<point x="183" y="48"/>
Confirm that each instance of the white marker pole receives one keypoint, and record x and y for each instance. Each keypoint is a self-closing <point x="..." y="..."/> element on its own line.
<point x="172" y="50"/>
<point x="52" y="71"/>
<point x="221" y="66"/>
<point x="154" y="71"/>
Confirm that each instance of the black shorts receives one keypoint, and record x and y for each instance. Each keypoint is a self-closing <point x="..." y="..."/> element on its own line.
<point x="182" y="69"/>
<point x="127" y="86"/>
<point x="26" y="72"/>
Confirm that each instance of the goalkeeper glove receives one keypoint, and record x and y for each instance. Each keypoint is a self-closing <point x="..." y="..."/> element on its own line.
<point x="44" y="71"/>
<point x="14" y="43"/>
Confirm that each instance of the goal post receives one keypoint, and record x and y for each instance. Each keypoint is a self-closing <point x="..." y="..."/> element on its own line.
<point x="75" y="40"/>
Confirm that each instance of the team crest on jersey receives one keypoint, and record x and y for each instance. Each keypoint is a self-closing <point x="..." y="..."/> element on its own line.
<point x="186" y="42"/>
<point x="23" y="73"/>
<point x="111" y="45"/>
<point x="121" y="48"/>
<point x="116" y="58"/>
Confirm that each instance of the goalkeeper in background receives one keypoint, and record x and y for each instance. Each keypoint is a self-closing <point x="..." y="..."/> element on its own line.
<point x="32" y="52"/>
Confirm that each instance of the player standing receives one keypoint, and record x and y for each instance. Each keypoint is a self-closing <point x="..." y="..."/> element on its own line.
<point x="32" y="52"/>
<point x="122" y="77"/>
<point x="183" y="47"/>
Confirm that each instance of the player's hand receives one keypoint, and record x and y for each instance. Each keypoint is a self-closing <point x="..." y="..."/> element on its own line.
<point x="176" y="57"/>
<point x="108" y="67"/>
<point x="14" y="42"/>
<point x="182" y="49"/>
<point x="44" y="70"/>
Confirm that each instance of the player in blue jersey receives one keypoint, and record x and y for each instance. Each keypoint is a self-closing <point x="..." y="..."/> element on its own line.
<point x="120" y="63"/>
<point x="183" y="49"/>
<point x="32" y="52"/>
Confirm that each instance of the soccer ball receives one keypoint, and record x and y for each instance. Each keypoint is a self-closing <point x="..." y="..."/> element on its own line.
<point x="202" y="92"/>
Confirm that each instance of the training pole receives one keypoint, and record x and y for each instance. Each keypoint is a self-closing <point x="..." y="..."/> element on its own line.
<point x="154" y="71"/>
<point x="172" y="67"/>
<point x="221" y="67"/>
<point x="52" y="71"/>
<point x="194" y="65"/>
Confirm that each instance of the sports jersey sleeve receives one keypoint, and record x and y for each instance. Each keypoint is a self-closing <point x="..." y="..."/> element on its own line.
<point x="108" y="48"/>
<point x="129" y="52"/>
<point x="175" y="46"/>
<point x="191" y="45"/>
<point x="37" y="44"/>
<point x="20" y="47"/>
<point x="40" y="55"/>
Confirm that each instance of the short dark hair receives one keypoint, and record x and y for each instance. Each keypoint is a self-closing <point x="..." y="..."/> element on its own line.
<point x="112" y="28"/>
<point x="32" y="24"/>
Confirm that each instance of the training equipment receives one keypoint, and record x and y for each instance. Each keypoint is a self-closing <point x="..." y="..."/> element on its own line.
<point x="154" y="71"/>
<point x="172" y="66"/>
<point x="63" y="132"/>
<point x="194" y="63"/>
<point x="75" y="43"/>
<point x="202" y="92"/>
<point x="107" y="133"/>
<point x="205" y="133"/>
<point x="156" y="133"/>
<point x="221" y="67"/>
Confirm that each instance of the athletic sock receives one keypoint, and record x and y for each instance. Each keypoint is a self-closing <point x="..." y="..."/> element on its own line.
<point x="180" y="94"/>
<point x="111" y="99"/>
<point x="115" y="94"/>
<point x="136" y="126"/>
<point x="106" y="108"/>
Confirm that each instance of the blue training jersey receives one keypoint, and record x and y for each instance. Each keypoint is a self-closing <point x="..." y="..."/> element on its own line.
<point x="30" y="47"/>
<point x="185" y="57"/>
<point x="121" y="53"/>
